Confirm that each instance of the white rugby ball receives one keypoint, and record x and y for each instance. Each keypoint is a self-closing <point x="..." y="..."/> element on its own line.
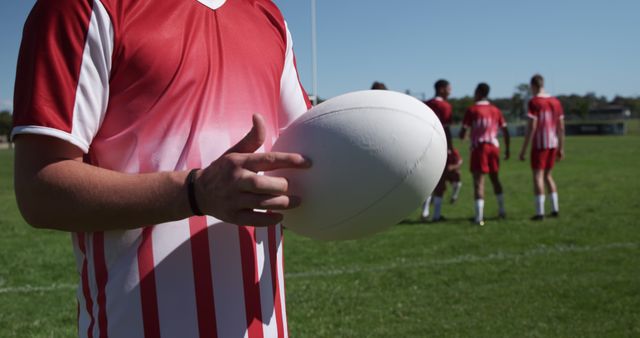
<point x="376" y="155"/>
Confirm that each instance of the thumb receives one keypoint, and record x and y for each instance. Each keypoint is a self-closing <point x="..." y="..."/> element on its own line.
<point x="254" y="138"/>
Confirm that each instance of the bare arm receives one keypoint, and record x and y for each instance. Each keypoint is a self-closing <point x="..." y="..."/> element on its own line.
<point x="56" y="190"/>
<point x="455" y="166"/>
<point x="447" y="134"/>
<point x="531" y="128"/>
<point x="561" y="139"/>
<point x="463" y="133"/>
<point x="507" y="143"/>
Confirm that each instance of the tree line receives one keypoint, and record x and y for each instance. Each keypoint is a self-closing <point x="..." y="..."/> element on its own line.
<point x="514" y="107"/>
<point x="575" y="106"/>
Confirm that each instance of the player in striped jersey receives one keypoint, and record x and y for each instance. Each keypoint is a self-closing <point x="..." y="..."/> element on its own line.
<point x="442" y="108"/>
<point x="140" y="128"/>
<point x="545" y="133"/>
<point x="484" y="120"/>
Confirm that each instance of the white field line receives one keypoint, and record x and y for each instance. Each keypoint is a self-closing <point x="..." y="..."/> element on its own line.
<point x="541" y="250"/>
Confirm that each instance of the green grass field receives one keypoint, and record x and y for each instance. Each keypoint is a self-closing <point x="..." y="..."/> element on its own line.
<point x="576" y="276"/>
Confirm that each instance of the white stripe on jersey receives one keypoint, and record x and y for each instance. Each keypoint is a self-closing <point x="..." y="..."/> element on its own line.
<point x="269" y="327"/>
<point x="92" y="93"/>
<point x="84" y="317"/>
<point x="292" y="99"/>
<point x="226" y="267"/>
<point x="93" y="287"/>
<point x="171" y="255"/>
<point x="546" y="131"/>
<point x="123" y="286"/>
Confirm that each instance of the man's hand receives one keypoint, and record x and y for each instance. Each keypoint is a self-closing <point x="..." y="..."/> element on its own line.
<point x="507" y="154"/>
<point x="230" y="188"/>
<point x="560" y="154"/>
<point x="522" y="156"/>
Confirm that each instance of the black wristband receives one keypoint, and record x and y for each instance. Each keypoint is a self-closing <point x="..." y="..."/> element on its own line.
<point x="191" y="191"/>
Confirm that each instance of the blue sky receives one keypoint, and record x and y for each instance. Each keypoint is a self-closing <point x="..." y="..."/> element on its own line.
<point x="580" y="46"/>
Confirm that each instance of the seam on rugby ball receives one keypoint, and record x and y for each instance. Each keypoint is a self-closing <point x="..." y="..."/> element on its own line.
<point x="404" y="178"/>
<point x="429" y="122"/>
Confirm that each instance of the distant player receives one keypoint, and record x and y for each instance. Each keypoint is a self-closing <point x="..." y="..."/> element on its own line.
<point x="545" y="132"/>
<point x="378" y="85"/>
<point x="451" y="175"/>
<point x="484" y="119"/>
<point x="443" y="110"/>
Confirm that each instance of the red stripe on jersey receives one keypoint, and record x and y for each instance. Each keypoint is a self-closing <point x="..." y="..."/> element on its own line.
<point x="251" y="281"/>
<point x="202" y="277"/>
<point x="100" y="267"/>
<point x="148" y="291"/>
<point x="88" y="301"/>
<point x="273" y="259"/>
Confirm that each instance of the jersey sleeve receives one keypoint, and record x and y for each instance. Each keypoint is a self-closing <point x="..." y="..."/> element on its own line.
<point x="62" y="77"/>
<point x="293" y="98"/>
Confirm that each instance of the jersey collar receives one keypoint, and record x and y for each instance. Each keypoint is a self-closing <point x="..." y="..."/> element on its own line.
<point x="213" y="4"/>
<point x="543" y="95"/>
<point x="438" y="98"/>
<point x="482" y="102"/>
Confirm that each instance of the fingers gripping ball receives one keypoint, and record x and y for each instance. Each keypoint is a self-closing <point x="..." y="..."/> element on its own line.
<point x="376" y="156"/>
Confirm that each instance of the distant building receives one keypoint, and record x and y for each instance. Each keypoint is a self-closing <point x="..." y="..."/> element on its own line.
<point x="609" y="113"/>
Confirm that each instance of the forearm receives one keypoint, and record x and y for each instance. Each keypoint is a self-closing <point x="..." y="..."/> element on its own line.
<point x="463" y="133"/>
<point x="453" y="167"/>
<point x="56" y="190"/>
<point x="74" y="196"/>
<point x="447" y="134"/>
<point x="561" y="135"/>
<point x="507" y="139"/>
<point x="528" y="137"/>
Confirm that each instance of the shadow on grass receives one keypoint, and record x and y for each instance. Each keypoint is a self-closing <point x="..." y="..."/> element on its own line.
<point x="459" y="220"/>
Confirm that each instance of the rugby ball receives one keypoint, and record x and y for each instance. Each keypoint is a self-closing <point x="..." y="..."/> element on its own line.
<point x="376" y="155"/>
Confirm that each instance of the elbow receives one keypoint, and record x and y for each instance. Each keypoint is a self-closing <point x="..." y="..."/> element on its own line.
<point x="28" y="211"/>
<point x="30" y="206"/>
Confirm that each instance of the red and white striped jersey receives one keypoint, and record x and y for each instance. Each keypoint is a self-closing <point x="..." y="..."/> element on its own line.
<point x="484" y="120"/>
<point x="147" y="86"/>
<point x="547" y="112"/>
